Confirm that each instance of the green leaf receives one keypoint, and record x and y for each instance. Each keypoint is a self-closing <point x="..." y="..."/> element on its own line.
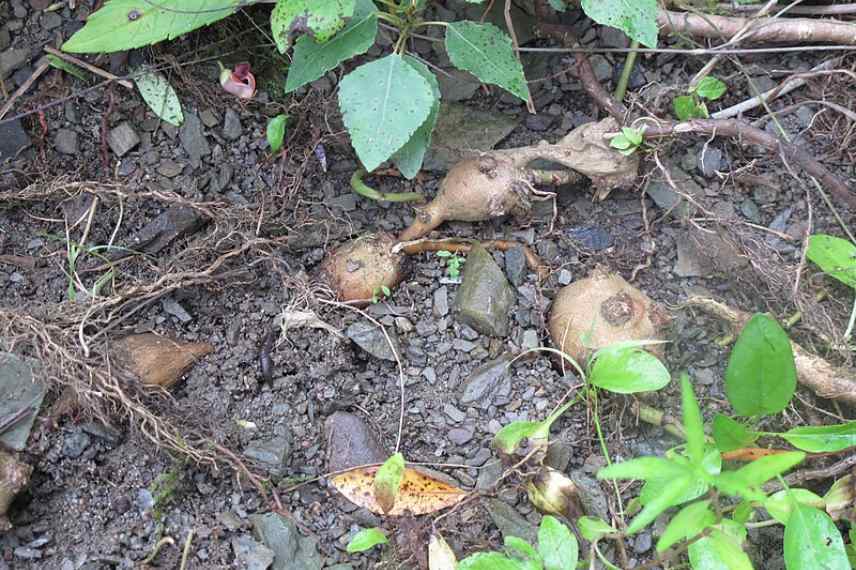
<point x="835" y="256"/>
<point x="486" y="51"/>
<point x="557" y="545"/>
<point x="627" y="370"/>
<point x="409" y="158"/>
<point x="160" y="97"/>
<point x="718" y="552"/>
<point x="690" y="521"/>
<point x="383" y="103"/>
<point x="780" y="504"/>
<point x="509" y="437"/>
<point x="730" y="434"/>
<point x="660" y="503"/>
<point x="387" y="481"/>
<point x="643" y="468"/>
<point x="812" y="541"/>
<point x="366" y="539"/>
<point x="488" y="561"/>
<point x="312" y="59"/>
<point x="763" y="469"/>
<point x="710" y="467"/>
<point x="127" y="24"/>
<point x="593" y="528"/>
<point x="761" y="376"/>
<point x="636" y="18"/>
<point x="66" y="66"/>
<point x="320" y="18"/>
<point x="633" y="135"/>
<point x="710" y="88"/>
<point x="818" y="439"/>
<point x="686" y="107"/>
<point x="693" y="424"/>
<point x="558" y="5"/>
<point x="276" y="132"/>
<point x="620" y="142"/>
<point x="522" y="550"/>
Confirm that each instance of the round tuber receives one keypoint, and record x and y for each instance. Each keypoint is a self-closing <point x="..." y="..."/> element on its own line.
<point x="14" y="476"/>
<point x="602" y="310"/>
<point x="361" y="268"/>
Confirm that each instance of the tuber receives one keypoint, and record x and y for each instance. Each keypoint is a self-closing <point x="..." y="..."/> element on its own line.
<point x="361" y="268"/>
<point x="158" y="360"/>
<point x="499" y="182"/>
<point x="602" y="310"/>
<point x="14" y="476"/>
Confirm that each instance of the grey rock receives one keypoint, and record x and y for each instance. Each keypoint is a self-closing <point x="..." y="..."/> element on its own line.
<point x="122" y="138"/>
<point x="460" y="436"/>
<point x="454" y="413"/>
<point x="530" y="339"/>
<point x="193" y="139"/>
<point x="602" y="68"/>
<point x="18" y="389"/>
<point x="457" y="85"/>
<point x="251" y="554"/>
<point x="5" y="38"/>
<point x="102" y="431"/>
<point x="209" y="118"/>
<point x="12" y="59"/>
<point x="762" y="83"/>
<point x="613" y="37"/>
<point x="539" y="123"/>
<point x="688" y="263"/>
<point x="509" y="521"/>
<point x="565" y="277"/>
<point x="75" y="443"/>
<point x="340" y="567"/>
<point x="231" y="125"/>
<point x="558" y="455"/>
<point x="515" y="265"/>
<point x="489" y="380"/>
<point x="642" y="544"/>
<point x="462" y="131"/>
<point x="13" y="139"/>
<point x="51" y="20"/>
<point x="371" y="339"/>
<point x="594" y="238"/>
<point x="441" y="302"/>
<point x="709" y="161"/>
<point x="489" y="475"/>
<point x="66" y="141"/>
<point x="667" y="199"/>
<point x="750" y="209"/>
<point x="175" y="309"/>
<point x="169" y="168"/>
<point x="273" y="453"/>
<point x="350" y="442"/>
<point x="291" y="550"/>
<point x="485" y="297"/>
<point x="591" y="494"/>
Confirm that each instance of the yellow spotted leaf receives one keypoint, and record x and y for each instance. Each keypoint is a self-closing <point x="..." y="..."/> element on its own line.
<point x="418" y="494"/>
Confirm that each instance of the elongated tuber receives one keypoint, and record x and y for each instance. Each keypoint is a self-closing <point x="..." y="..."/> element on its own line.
<point x="158" y="360"/>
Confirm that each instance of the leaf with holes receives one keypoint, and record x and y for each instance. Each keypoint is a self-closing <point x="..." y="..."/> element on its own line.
<point x="383" y="103"/>
<point x="418" y="494"/>
<point x="319" y="18"/>
<point x="409" y="158"/>
<point x="160" y="97"/>
<point x="127" y="24"/>
<point x="636" y="18"/>
<point x="486" y="51"/>
<point x="312" y="59"/>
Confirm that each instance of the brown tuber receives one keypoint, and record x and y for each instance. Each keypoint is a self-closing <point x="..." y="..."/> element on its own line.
<point x="359" y="269"/>
<point x="14" y="476"/>
<point x="602" y="310"/>
<point x="499" y="183"/>
<point x="158" y="360"/>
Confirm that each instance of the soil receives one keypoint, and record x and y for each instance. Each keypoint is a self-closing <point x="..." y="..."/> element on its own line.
<point x="89" y="504"/>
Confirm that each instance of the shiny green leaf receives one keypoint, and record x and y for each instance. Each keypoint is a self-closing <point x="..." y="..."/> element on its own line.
<point x="557" y="545"/>
<point x="835" y="256"/>
<point x="780" y="504"/>
<point x="690" y="521"/>
<point x="730" y="434"/>
<point x="627" y="370"/>
<point x="812" y="541"/>
<point x="319" y="18"/>
<point x="387" y="481"/>
<point x="819" y="439"/>
<point x="276" y="132"/>
<point x="718" y="552"/>
<point x="366" y="539"/>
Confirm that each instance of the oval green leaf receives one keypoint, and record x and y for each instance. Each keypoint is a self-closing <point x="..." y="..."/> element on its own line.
<point x="593" y="528"/>
<point x="718" y="552"/>
<point x="276" y="132"/>
<point x="636" y="18"/>
<point x="627" y="370"/>
<point x="763" y="469"/>
<point x="690" y="521"/>
<point x="710" y="88"/>
<point x="835" y="256"/>
<point x="557" y="545"/>
<point x="729" y="434"/>
<point x="320" y="18"/>
<point x="780" y="504"/>
<point x="818" y="439"/>
<point x="486" y="51"/>
<point x="409" y="158"/>
<point x="383" y="103"/>
<point x="812" y="541"/>
<point x="160" y="97"/>
<point x="761" y="376"/>
<point x="366" y="539"/>
<point x="488" y="561"/>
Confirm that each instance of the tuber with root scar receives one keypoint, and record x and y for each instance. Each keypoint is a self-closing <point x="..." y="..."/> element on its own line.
<point x="499" y="183"/>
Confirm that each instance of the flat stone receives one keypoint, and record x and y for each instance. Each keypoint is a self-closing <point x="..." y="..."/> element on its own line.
<point x="491" y="379"/>
<point x="602" y="68"/>
<point x="75" y="443"/>
<point x="454" y="413"/>
<point x="176" y="222"/>
<point x="192" y="138"/>
<point x="509" y="521"/>
<point x="530" y="339"/>
<point x="594" y="238"/>
<point x="485" y="297"/>
<point x="12" y="59"/>
<point x="66" y="141"/>
<point x="462" y="131"/>
<point x="231" y="125"/>
<point x="169" y="168"/>
<point x="441" y="302"/>
<point x="460" y="436"/>
<point x="51" y="20"/>
<point x="18" y="390"/>
<point x="122" y="138"/>
<point x="13" y="139"/>
<point x="457" y="85"/>
<point x="371" y="339"/>
<point x="667" y="199"/>
<point x="350" y="442"/>
<point x="292" y="551"/>
<point x="272" y="452"/>
<point x="709" y="161"/>
<point x="515" y="265"/>
<point x="251" y="554"/>
<point x="688" y="263"/>
<point x="591" y="495"/>
<point x="565" y="277"/>
<point x="175" y="309"/>
<point x="209" y="118"/>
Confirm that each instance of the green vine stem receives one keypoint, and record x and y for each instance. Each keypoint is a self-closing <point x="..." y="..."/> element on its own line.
<point x="629" y="62"/>
<point x="361" y="188"/>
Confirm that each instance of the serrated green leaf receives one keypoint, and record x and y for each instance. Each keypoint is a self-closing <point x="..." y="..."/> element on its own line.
<point x="710" y="88"/>
<point x="690" y="521"/>
<point x="312" y="59"/>
<point x="729" y="434"/>
<point x="627" y="370"/>
<point x="557" y="545"/>
<point x="366" y="539"/>
<point x="818" y="439"/>
<point x="718" y="552"/>
<point x="383" y="103"/>
<point x="409" y="158"/>
<point x="812" y="541"/>
<point x="636" y="18"/>
<point x="693" y="425"/>
<point x="643" y="468"/>
<point x="276" y="132"/>
<point x="127" y="24"/>
<point x="593" y="528"/>
<point x="780" y="504"/>
<point x="319" y="18"/>
<point x="488" y="561"/>
<point x="487" y="52"/>
<point x="160" y="97"/>
<point x="835" y="256"/>
<point x="761" y="376"/>
<point x="387" y="481"/>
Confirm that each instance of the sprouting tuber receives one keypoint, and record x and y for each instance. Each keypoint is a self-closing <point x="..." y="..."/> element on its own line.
<point x="602" y="310"/>
<point x="500" y="182"/>
<point x="361" y="268"/>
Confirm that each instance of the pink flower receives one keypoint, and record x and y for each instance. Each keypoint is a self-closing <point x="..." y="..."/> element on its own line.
<point x="239" y="81"/>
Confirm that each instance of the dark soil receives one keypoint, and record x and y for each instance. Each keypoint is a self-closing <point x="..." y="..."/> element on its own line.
<point x="89" y="503"/>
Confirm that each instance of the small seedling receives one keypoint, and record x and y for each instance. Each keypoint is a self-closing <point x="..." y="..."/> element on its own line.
<point x="692" y="106"/>
<point x="380" y="293"/>
<point x="454" y="262"/>
<point x="276" y="132"/>
<point x="628" y="140"/>
<point x="366" y="539"/>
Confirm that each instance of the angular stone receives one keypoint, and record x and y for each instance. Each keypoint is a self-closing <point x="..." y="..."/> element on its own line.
<point x="12" y="59"/>
<point x="441" y="302"/>
<point x="667" y="199"/>
<point x="485" y="297"/>
<point x="231" y="125"/>
<point x="509" y="521"/>
<point x="18" y="390"/>
<point x="457" y="85"/>
<point x="209" y="118"/>
<point x="489" y="380"/>
<point x="350" y="442"/>
<point x="169" y="168"/>
<point x="272" y="453"/>
<point x="193" y="139"/>
<point x="292" y="551"/>
<point x="462" y="131"/>
<point x="371" y="339"/>
<point x="250" y="554"/>
<point x="13" y="139"/>
<point x="515" y="265"/>
<point x="122" y="138"/>
<point x="66" y="141"/>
